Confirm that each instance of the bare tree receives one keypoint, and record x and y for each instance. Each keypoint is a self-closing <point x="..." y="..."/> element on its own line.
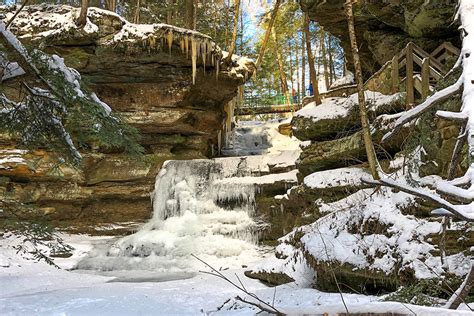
<point x="189" y="14"/>
<point x="325" y="60"/>
<point x="312" y="71"/>
<point x="369" y="146"/>
<point x="283" y="78"/>
<point x="303" y="63"/>
<point x="235" y="32"/>
<point x="111" y="5"/>
<point x="267" y="34"/>
<point x="454" y="197"/>
<point x="82" y="21"/>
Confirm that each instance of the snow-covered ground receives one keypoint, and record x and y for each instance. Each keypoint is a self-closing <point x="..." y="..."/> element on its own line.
<point x="32" y="288"/>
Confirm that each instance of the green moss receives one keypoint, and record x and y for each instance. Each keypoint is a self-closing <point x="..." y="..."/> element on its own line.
<point x="426" y="292"/>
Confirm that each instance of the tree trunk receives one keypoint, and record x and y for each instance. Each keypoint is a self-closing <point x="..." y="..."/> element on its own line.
<point x="171" y="16"/>
<point x="195" y="16"/>
<point x="111" y="5"/>
<point x="226" y="41"/>
<point x="82" y="21"/>
<point x="241" y="31"/>
<point x="189" y="14"/>
<point x="267" y="33"/>
<point x="332" y="70"/>
<point x="303" y="64"/>
<point x="297" y="63"/>
<point x="283" y="80"/>
<point x="290" y="53"/>
<point x="136" y="18"/>
<point x="234" y="33"/>
<point x="325" y="61"/>
<point x="312" y="71"/>
<point x="369" y="146"/>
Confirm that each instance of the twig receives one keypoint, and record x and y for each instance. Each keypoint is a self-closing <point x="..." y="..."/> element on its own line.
<point x="447" y="285"/>
<point x="257" y="305"/>
<point x="266" y="307"/>
<point x="16" y="13"/>
<point x="332" y="271"/>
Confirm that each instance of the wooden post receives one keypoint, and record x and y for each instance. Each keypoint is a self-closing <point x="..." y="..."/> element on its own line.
<point x="410" y="82"/>
<point x="395" y="75"/>
<point x="425" y="78"/>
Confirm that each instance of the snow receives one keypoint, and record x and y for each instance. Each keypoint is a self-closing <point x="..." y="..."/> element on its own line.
<point x="242" y="66"/>
<point x="10" y="158"/>
<point x="274" y="150"/>
<point x="403" y="245"/>
<point x="350" y="176"/>
<point x="343" y="81"/>
<point x="11" y="71"/>
<point x="333" y="108"/>
<point x="425" y="106"/>
<point x="32" y="288"/>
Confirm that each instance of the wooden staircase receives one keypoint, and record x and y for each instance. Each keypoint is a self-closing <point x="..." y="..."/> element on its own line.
<point x="431" y="68"/>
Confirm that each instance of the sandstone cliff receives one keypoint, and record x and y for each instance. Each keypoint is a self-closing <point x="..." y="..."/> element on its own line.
<point x="385" y="27"/>
<point x="167" y="82"/>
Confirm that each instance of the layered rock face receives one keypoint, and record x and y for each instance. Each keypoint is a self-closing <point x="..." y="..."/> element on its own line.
<point x="167" y="82"/>
<point x="385" y="27"/>
<point x="372" y="241"/>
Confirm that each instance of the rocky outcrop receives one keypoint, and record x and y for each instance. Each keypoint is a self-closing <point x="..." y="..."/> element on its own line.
<point x="339" y="227"/>
<point x="169" y="83"/>
<point x="350" y="150"/>
<point x="385" y="27"/>
<point x="340" y="115"/>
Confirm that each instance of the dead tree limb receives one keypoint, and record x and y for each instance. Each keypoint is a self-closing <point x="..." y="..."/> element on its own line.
<point x="16" y="13"/>
<point x="264" y="306"/>
<point x="423" y="194"/>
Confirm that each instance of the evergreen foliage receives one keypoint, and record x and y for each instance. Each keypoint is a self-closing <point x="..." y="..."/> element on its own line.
<point x="60" y="113"/>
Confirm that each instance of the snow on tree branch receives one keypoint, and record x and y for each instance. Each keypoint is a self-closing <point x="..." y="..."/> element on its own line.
<point x="433" y="100"/>
<point x="64" y="110"/>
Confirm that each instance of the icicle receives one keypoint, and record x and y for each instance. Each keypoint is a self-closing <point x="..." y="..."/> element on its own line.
<point x="151" y="41"/>
<point x="170" y="40"/>
<point x="193" y="57"/>
<point x="203" y="52"/>
<point x="186" y="45"/>
<point x="181" y="44"/>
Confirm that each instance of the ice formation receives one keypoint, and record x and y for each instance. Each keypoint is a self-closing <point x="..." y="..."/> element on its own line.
<point x="204" y="207"/>
<point x="194" y="213"/>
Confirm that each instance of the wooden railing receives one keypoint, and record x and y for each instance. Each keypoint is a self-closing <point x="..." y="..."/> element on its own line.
<point x="432" y="69"/>
<point x="268" y="109"/>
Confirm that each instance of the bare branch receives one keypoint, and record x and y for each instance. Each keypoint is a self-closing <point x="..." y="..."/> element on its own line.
<point x="452" y="116"/>
<point x="433" y="100"/>
<point x="267" y="307"/>
<point x="454" y="209"/>
<point x="16" y="13"/>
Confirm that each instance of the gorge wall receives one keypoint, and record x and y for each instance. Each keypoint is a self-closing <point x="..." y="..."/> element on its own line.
<point x="385" y="27"/>
<point x="335" y="225"/>
<point x="169" y="83"/>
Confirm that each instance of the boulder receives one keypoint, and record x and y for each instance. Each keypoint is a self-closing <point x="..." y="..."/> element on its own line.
<point x="350" y="150"/>
<point x="339" y="116"/>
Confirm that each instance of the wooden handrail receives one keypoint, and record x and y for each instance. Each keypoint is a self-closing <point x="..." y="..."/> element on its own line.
<point x="432" y="68"/>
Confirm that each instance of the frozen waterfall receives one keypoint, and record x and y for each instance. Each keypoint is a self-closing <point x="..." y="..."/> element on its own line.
<point x="205" y="207"/>
<point x="197" y="210"/>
